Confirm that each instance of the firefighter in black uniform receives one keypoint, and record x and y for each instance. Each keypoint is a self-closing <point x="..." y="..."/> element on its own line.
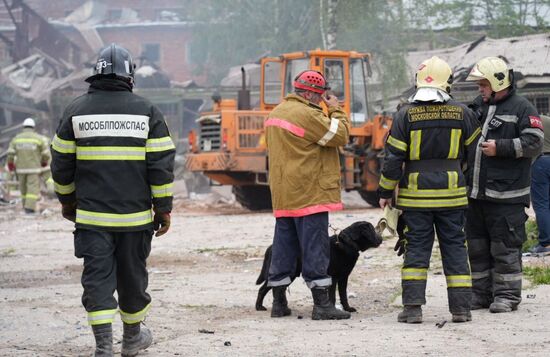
<point x="431" y="137"/>
<point x="511" y="136"/>
<point x="112" y="161"/>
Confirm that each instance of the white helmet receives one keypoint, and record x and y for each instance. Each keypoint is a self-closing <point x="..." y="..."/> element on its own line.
<point x="29" y="123"/>
<point x="493" y="69"/>
<point x="434" y="73"/>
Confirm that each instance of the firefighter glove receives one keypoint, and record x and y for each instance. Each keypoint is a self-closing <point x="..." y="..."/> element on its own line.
<point x="161" y="223"/>
<point x="401" y="240"/>
<point x="68" y="210"/>
<point x="44" y="163"/>
<point x="11" y="166"/>
<point x="400" y="246"/>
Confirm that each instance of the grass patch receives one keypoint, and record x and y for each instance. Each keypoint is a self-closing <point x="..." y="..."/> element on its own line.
<point x="538" y="275"/>
<point x="532" y="232"/>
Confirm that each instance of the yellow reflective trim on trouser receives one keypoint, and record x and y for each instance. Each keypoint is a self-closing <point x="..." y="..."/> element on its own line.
<point x="459" y="281"/>
<point x="159" y="144"/>
<point x="432" y="203"/>
<point x="63" y="146"/>
<point x="101" y="317"/>
<point x="398" y="144"/>
<point x="453" y="179"/>
<point x="110" y="153"/>
<point x="473" y="136"/>
<point x="162" y="190"/>
<point x="414" y="274"/>
<point x="113" y="219"/>
<point x="416" y="138"/>
<point x="30" y="196"/>
<point x="454" y="143"/>
<point x="135" y="317"/>
<point x="433" y="193"/>
<point x="386" y="183"/>
<point x="413" y="182"/>
<point x="63" y="189"/>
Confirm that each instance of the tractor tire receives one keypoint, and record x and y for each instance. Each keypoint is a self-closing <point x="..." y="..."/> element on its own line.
<point x="371" y="197"/>
<point x="253" y="197"/>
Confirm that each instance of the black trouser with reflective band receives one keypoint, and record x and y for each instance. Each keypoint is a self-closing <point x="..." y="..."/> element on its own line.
<point x="449" y="226"/>
<point x="301" y="237"/>
<point x="496" y="232"/>
<point x="114" y="261"/>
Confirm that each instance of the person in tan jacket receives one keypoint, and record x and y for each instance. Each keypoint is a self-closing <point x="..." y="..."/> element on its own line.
<point x="304" y="178"/>
<point x="28" y="154"/>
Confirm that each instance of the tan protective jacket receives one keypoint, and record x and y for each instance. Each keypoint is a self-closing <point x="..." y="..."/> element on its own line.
<point x="304" y="165"/>
<point x="28" y="150"/>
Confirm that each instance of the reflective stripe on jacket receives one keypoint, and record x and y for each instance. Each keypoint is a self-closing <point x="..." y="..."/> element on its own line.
<point x="426" y="147"/>
<point x="517" y="128"/>
<point x="113" y="155"/>
<point x="304" y="164"/>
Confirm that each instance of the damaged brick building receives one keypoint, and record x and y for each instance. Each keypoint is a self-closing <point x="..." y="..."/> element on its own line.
<point x="47" y="48"/>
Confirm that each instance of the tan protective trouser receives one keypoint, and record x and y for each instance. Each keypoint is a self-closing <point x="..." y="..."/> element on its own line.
<point x="29" y="185"/>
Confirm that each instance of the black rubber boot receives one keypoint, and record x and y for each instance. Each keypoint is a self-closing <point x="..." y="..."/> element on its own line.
<point x="411" y="314"/>
<point x="323" y="309"/>
<point x="480" y="302"/>
<point x="462" y="316"/>
<point x="103" y="340"/>
<point x="502" y="306"/>
<point x="136" y="337"/>
<point x="280" y="304"/>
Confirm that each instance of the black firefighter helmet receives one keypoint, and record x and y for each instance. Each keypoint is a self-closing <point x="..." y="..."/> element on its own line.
<point x="114" y="61"/>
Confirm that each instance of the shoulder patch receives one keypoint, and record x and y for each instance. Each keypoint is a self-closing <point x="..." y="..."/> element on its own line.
<point x="535" y="122"/>
<point x="435" y="112"/>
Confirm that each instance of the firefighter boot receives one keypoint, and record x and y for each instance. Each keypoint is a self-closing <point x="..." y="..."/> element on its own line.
<point x="323" y="308"/>
<point x="280" y="304"/>
<point x="462" y="317"/>
<point x="480" y="302"/>
<point x="136" y="337"/>
<point x="103" y="340"/>
<point x="501" y="306"/>
<point x="411" y="314"/>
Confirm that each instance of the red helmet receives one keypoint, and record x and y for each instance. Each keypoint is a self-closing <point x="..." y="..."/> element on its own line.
<point x="311" y="80"/>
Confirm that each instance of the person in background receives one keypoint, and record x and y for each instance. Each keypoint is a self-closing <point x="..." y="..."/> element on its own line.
<point x="28" y="154"/>
<point x="540" y="192"/>
<point x="430" y="138"/>
<point x="113" y="160"/>
<point x="499" y="186"/>
<point x="304" y="178"/>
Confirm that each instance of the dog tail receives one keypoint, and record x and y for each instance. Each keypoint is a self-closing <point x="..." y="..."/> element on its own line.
<point x="265" y="267"/>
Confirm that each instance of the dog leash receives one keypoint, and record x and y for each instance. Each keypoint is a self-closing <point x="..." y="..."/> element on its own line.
<point x="336" y="232"/>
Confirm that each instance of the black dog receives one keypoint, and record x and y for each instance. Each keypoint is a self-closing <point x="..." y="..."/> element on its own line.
<point x="344" y="251"/>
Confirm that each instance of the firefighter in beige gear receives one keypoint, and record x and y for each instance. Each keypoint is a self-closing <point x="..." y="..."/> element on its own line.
<point x="304" y="178"/>
<point x="113" y="161"/>
<point x="511" y="136"/>
<point x="28" y="155"/>
<point x="431" y="138"/>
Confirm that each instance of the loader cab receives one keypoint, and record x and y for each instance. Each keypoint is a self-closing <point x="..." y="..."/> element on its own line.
<point x="345" y="72"/>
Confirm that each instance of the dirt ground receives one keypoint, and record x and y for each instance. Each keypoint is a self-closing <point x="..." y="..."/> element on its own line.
<point x="202" y="276"/>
